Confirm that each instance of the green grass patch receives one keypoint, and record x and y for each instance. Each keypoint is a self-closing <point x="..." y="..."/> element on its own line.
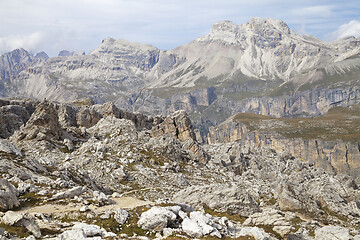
<point x="131" y="227"/>
<point x="231" y="216"/>
<point x="20" y="232"/>
<point x="269" y="229"/>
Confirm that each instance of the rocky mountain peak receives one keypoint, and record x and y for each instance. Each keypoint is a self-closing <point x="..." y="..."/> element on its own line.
<point x="42" y="55"/>
<point x="66" y="53"/>
<point x="231" y="33"/>
<point x="17" y="55"/>
<point x="258" y="24"/>
<point x="224" y="26"/>
<point x="110" y="44"/>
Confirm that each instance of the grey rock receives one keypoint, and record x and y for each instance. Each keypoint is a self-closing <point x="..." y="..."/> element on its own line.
<point x="191" y="228"/>
<point x="22" y="219"/>
<point x="75" y="191"/>
<point x="9" y="148"/>
<point x="156" y="219"/>
<point x="332" y="232"/>
<point x="8" y="196"/>
<point x="76" y="234"/>
<point x="84" y="209"/>
<point x="221" y="197"/>
<point x="121" y="216"/>
<point x="89" y="230"/>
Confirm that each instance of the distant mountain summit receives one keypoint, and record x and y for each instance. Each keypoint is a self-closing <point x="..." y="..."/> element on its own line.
<point x="262" y="66"/>
<point x="42" y="55"/>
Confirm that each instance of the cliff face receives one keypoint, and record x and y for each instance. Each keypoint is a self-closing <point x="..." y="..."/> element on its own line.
<point x="333" y="156"/>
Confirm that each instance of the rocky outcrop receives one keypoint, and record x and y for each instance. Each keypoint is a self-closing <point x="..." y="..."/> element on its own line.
<point x="241" y="191"/>
<point x="296" y="186"/>
<point x="333" y="156"/>
<point x="270" y="217"/>
<point x="13" y="114"/>
<point x="121" y="216"/>
<point x="332" y="232"/>
<point x="8" y="196"/>
<point x="222" y="198"/>
<point x="157" y="218"/>
<point x="311" y="102"/>
<point x="22" y="220"/>
<point x="180" y="127"/>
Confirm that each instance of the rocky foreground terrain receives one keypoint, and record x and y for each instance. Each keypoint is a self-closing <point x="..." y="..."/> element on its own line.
<point x="84" y="171"/>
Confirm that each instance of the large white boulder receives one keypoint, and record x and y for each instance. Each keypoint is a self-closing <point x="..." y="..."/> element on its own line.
<point x="332" y="232"/>
<point x="156" y="218"/>
<point x="22" y="220"/>
<point x="121" y="216"/>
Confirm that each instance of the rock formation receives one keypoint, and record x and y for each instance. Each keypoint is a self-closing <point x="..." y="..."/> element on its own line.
<point x="71" y="163"/>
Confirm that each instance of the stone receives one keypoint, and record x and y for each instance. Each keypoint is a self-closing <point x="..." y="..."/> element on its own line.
<point x="89" y="230"/>
<point x="7" y="147"/>
<point x="221" y="197"/>
<point x="121" y="216"/>
<point x="23" y="220"/>
<point x="191" y="228"/>
<point x="84" y="209"/>
<point x="76" y="234"/>
<point x="332" y="232"/>
<point x="156" y="219"/>
<point x="253" y="232"/>
<point x="199" y="225"/>
<point x="203" y="221"/>
<point x="75" y="191"/>
<point x="101" y="198"/>
<point x="8" y="196"/>
<point x="105" y="216"/>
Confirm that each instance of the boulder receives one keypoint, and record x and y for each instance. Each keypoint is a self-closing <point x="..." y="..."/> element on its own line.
<point x="75" y="191"/>
<point x="101" y="198"/>
<point x="332" y="232"/>
<point x="89" y="230"/>
<point x="253" y="233"/>
<point x="76" y="234"/>
<point x="8" y="195"/>
<point x="156" y="219"/>
<point x="22" y="220"/>
<point x="270" y="217"/>
<point x="121" y="216"/>
<point x="9" y="148"/>
<point x="220" y="197"/>
<point x="191" y="228"/>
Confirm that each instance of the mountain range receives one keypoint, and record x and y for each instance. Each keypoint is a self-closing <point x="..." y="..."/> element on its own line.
<point x="262" y="67"/>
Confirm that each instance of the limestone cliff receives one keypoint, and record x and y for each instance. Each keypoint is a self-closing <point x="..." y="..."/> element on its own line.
<point x="334" y="156"/>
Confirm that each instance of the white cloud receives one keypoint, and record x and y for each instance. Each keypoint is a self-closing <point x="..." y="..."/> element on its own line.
<point x="32" y="42"/>
<point x="348" y="29"/>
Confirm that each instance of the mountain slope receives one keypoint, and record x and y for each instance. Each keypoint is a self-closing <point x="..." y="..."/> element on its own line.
<point x="261" y="66"/>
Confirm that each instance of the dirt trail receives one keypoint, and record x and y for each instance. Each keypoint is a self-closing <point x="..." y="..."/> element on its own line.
<point x="123" y="202"/>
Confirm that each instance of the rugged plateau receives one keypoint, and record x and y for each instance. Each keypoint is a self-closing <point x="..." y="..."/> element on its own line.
<point x="84" y="171"/>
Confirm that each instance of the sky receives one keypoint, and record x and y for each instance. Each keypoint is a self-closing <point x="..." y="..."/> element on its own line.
<point x="81" y="25"/>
